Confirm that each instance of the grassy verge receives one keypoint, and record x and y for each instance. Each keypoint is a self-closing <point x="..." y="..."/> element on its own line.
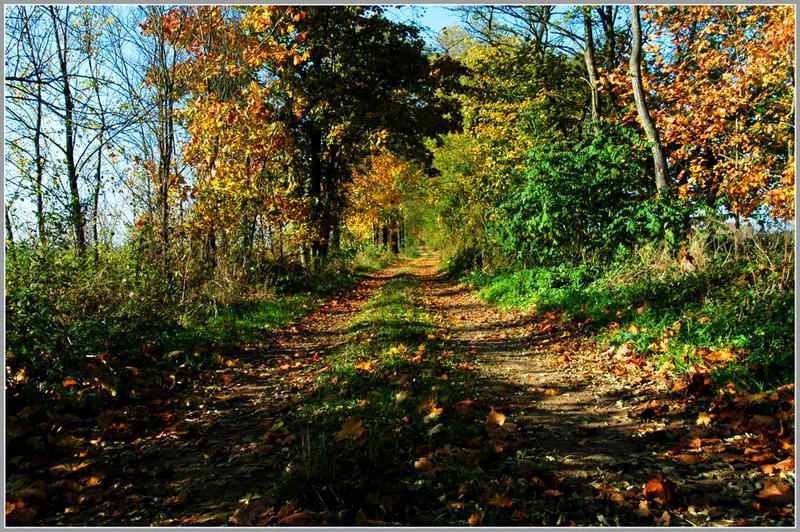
<point x="79" y="336"/>
<point x="737" y="315"/>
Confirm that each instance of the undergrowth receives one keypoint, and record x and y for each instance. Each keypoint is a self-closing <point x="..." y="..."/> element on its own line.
<point x="82" y="332"/>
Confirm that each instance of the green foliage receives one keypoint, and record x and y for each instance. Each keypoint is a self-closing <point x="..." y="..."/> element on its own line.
<point x="584" y="199"/>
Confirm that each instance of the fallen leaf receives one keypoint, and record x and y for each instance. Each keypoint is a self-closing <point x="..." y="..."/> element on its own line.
<point x="719" y="355"/>
<point x="495" y="418"/>
<point x="296" y="519"/>
<point x="423" y="463"/>
<point x="786" y="466"/>
<point x="476" y="518"/>
<point x="435" y="429"/>
<point x="552" y="392"/>
<point x="351" y="429"/>
<point x="501" y="501"/>
<point x="223" y="396"/>
<point x="657" y="490"/>
<point x="703" y="419"/>
<point x="365" y="366"/>
<point x="775" y="492"/>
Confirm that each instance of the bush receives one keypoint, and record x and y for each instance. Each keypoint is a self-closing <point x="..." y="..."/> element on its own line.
<point x="586" y="199"/>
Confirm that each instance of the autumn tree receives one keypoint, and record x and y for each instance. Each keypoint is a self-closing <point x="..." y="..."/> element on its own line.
<point x="724" y="76"/>
<point x="366" y="82"/>
<point x="377" y="198"/>
<point x="67" y="111"/>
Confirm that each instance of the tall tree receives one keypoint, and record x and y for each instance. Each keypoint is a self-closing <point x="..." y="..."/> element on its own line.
<point x="26" y="75"/>
<point x="591" y="68"/>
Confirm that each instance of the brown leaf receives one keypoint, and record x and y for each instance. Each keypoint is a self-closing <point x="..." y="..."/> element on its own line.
<point x="296" y="519"/>
<point x="761" y="422"/>
<point x="688" y="459"/>
<point x="784" y="465"/>
<point x="719" y="355"/>
<point x="495" y="418"/>
<point x="351" y="429"/>
<point x="775" y="492"/>
<point x="699" y="380"/>
<point x="423" y="463"/>
<point x="476" y="518"/>
<point x="657" y="490"/>
<point x="501" y="500"/>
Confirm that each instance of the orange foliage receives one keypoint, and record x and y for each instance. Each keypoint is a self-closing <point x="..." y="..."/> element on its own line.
<point x="724" y="92"/>
<point x="376" y="193"/>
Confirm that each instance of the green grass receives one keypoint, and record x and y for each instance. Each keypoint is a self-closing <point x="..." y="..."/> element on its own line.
<point x="741" y="307"/>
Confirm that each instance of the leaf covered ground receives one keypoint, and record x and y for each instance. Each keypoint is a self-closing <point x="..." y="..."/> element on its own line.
<point x="409" y="400"/>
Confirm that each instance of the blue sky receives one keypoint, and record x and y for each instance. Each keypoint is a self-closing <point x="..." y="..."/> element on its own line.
<point x="432" y="17"/>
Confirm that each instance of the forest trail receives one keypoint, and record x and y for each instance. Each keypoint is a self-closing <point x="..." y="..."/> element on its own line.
<point x="547" y="434"/>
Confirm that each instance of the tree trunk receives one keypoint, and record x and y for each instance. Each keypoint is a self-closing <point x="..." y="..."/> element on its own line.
<point x="395" y="239"/>
<point x="9" y="229"/>
<point x="659" y="159"/>
<point x="336" y="238"/>
<point x="315" y="193"/>
<point x="98" y="169"/>
<point x="607" y="16"/>
<point x="76" y="210"/>
<point x="37" y="141"/>
<point x="591" y="70"/>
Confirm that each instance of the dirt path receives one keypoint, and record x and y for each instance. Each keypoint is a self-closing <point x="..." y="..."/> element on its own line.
<point x="609" y="423"/>
<point x="594" y="435"/>
<point x="581" y="420"/>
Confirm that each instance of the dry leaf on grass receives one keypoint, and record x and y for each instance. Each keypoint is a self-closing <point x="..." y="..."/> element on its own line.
<point x="351" y="429"/>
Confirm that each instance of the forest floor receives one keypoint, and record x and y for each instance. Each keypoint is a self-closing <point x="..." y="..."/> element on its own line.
<point x="409" y="400"/>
